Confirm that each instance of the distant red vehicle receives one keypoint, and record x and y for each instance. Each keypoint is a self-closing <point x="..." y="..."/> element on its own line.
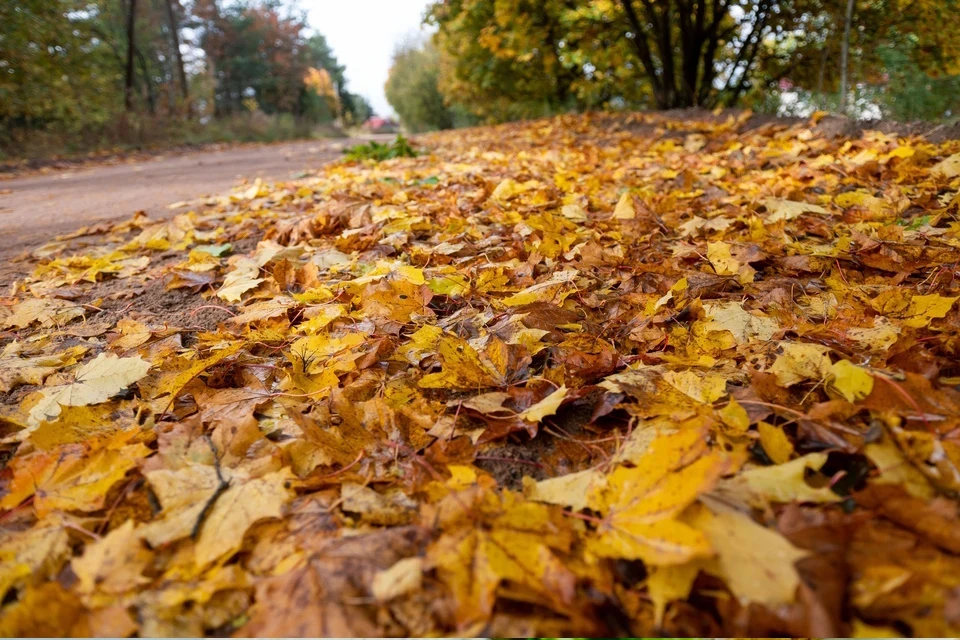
<point x="376" y="124"/>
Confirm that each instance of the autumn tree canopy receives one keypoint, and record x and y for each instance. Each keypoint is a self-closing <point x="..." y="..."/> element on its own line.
<point x="510" y="59"/>
<point x="412" y="88"/>
<point x="75" y="65"/>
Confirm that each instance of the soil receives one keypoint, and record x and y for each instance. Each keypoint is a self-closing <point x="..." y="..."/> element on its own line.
<point x="509" y="461"/>
<point x="179" y="308"/>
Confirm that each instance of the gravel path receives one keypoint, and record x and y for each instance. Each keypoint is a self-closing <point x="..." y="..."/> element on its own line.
<point x="35" y="209"/>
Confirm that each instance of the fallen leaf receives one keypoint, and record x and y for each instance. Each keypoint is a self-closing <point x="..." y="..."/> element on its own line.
<point x="641" y="504"/>
<point x="113" y="565"/>
<point x="757" y="563"/>
<point x="400" y="579"/>
<point x="850" y="381"/>
<point x="238" y="508"/>
<point x="783" y="210"/>
<point x="95" y="382"/>
<point x="242" y="278"/>
<point x="780" y="483"/>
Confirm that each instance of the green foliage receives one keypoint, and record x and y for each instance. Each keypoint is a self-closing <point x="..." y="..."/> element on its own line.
<point x="900" y="71"/>
<point x="912" y="94"/>
<point x="62" y="67"/>
<point x="522" y="59"/>
<point x="53" y="65"/>
<point x="373" y="150"/>
<point x="501" y="60"/>
<point x="412" y="88"/>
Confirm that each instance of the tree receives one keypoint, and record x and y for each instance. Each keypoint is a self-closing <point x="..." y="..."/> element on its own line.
<point x="178" y="55"/>
<point x="131" y="48"/>
<point x="502" y="57"/>
<point x="256" y="52"/>
<point x="679" y="45"/>
<point x="686" y="52"/>
<point x="845" y="56"/>
<point x="412" y="90"/>
<point x="54" y="67"/>
<point x="319" y="54"/>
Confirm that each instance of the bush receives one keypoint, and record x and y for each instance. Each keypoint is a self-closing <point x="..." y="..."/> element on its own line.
<point x="399" y="148"/>
<point x="412" y="91"/>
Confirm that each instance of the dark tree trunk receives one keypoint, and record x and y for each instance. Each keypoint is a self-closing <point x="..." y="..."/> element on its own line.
<point x="177" y="56"/>
<point x="131" y="45"/>
<point x="147" y="84"/>
<point x="643" y="52"/>
<point x="844" y="57"/>
<point x="682" y="72"/>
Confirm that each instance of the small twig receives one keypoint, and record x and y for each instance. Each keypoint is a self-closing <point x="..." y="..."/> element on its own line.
<point x="583" y="516"/>
<point x="212" y="306"/>
<point x="221" y="487"/>
<point x="79" y="529"/>
<point x="339" y="471"/>
<point x="840" y="269"/>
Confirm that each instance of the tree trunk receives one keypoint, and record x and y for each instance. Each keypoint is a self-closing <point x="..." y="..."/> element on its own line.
<point x="147" y="83"/>
<point x="131" y="44"/>
<point x="643" y="52"/>
<point x="844" y="57"/>
<point x="678" y="86"/>
<point x="175" y="35"/>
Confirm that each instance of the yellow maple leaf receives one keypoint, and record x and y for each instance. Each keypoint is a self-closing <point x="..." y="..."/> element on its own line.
<point x="718" y="253"/>
<point x="849" y="380"/>
<point x="240" y="279"/>
<point x="96" y="381"/>
<point x="70" y="478"/>
<point x="112" y="565"/>
<point x="625" y="209"/>
<point x="949" y="167"/>
<point x="33" y="554"/>
<point x="779" y="483"/>
<point x="800" y="361"/>
<point x="236" y="510"/>
<point x="757" y="563"/>
<point x="917" y="311"/>
<point x="782" y="210"/>
<point x="519" y="541"/>
<point x="641" y="504"/>
<point x="462" y="367"/>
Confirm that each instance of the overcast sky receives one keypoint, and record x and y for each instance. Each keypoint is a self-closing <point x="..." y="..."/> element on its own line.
<point x="363" y="35"/>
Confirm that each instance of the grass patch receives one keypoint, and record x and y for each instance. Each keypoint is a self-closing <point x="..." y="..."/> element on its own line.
<point x="399" y="148"/>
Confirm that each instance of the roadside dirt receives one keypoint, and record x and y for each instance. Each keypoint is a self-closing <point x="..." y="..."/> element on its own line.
<point x="35" y="209"/>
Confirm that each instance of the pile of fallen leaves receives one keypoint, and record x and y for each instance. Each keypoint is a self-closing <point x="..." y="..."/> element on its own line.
<point x="592" y="375"/>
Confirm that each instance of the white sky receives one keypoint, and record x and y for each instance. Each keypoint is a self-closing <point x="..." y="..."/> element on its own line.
<point x="363" y="35"/>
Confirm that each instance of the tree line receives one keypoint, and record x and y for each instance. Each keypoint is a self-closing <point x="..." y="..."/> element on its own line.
<point x="75" y="64"/>
<point x="495" y="61"/>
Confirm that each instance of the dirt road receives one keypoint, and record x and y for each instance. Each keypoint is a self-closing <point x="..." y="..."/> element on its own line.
<point x="35" y="209"/>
